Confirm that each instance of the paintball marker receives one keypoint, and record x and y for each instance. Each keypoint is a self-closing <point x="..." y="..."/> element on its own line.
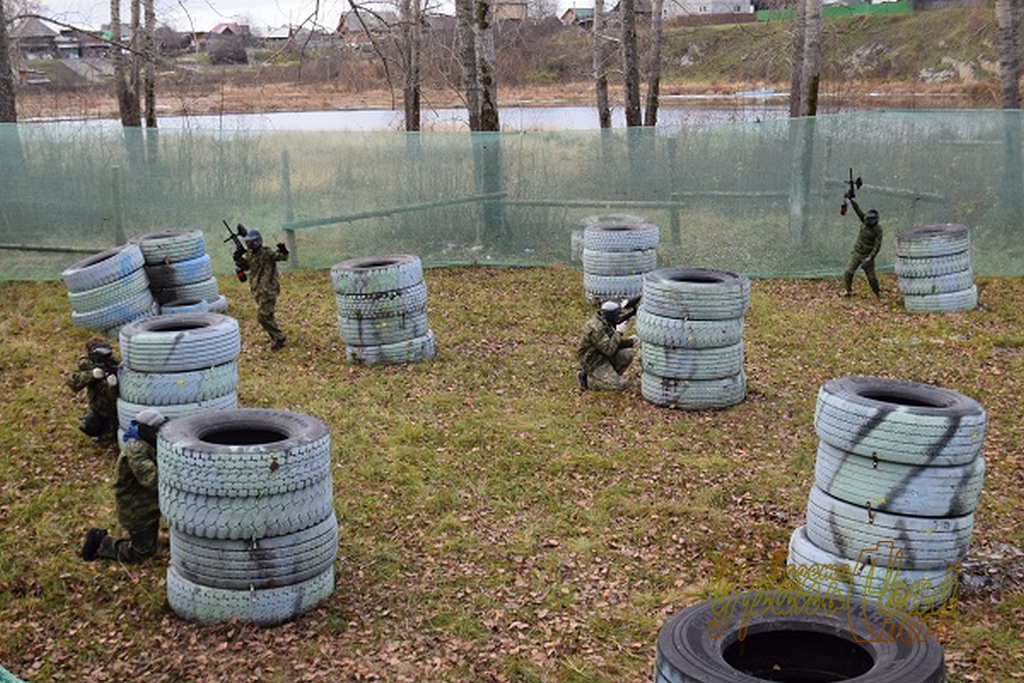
<point x="629" y="308"/>
<point x="239" y="247"/>
<point x="850" y="193"/>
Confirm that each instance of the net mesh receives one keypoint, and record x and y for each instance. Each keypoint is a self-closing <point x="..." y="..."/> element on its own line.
<point x="760" y="198"/>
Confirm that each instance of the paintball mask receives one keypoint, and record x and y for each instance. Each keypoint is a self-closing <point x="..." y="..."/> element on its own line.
<point x="254" y="239"/>
<point x="871" y="217"/>
<point x="149" y="421"/>
<point x="610" y="311"/>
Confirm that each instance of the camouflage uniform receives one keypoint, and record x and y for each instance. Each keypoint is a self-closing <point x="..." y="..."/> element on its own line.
<point x="138" y="506"/>
<point x="261" y="265"/>
<point x="100" y="420"/>
<point x="604" y="354"/>
<point x="869" y="241"/>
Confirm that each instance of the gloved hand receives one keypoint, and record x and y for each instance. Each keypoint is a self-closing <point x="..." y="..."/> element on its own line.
<point x="239" y="253"/>
<point x="282" y="249"/>
<point x="112" y="380"/>
<point x="98" y="373"/>
<point x="627" y="343"/>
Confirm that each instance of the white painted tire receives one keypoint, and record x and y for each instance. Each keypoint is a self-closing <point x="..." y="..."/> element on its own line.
<point x="930" y="241"/>
<point x="692" y="364"/>
<point x="171" y="246"/>
<point x="687" y="334"/>
<point x="371" y="274"/>
<point x="696" y="294"/>
<point x="102" y="268"/>
<point x="949" y="302"/>
<point x="411" y="351"/>
<point x="162" y="388"/>
<point x="693" y="394"/>
<point x="186" y="341"/>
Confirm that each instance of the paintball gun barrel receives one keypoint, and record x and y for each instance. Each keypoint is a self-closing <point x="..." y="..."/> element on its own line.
<point x="239" y="247"/>
<point x="855" y="184"/>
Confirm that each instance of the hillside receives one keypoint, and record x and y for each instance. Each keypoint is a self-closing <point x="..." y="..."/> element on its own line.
<point x="941" y="58"/>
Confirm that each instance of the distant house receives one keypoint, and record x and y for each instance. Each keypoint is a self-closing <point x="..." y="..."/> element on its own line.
<point x="229" y="29"/>
<point x="32" y="39"/>
<point x="510" y="10"/>
<point x="578" y="16"/>
<point x="697" y="8"/>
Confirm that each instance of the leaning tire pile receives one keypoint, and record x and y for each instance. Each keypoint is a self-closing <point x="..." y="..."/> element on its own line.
<point x="690" y="326"/>
<point x="382" y="309"/>
<point x="180" y="272"/>
<point x="109" y="289"/>
<point x="248" y="497"/>
<point x="774" y="636"/>
<point x="617" y="251"/>
<point x="897" y="477"/>
<point x="933" y="269"/>
<point x="181" y="365"/>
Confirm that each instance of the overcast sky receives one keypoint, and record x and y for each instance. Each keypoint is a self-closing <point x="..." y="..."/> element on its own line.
<point x="202" y="15"/>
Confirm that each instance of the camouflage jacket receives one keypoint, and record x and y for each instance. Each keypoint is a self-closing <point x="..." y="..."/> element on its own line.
<point x="135" y="490"/>
<point x="869" y="239"/>
<point x="599" y="341"/>
<point x="102" y="397"/>
<point x="262" y="267"/>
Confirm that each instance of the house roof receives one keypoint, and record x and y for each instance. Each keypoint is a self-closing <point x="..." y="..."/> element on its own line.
<point x="230" y="29"/>
<point x="32" y="28"/>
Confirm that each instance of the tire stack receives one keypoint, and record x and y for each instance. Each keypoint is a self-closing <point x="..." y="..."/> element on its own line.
<point x="382" y="309"/>
<point x="247" y="495"/>
<point x="180" y="365"/>
<point x="180" y="273"/>
<point x="690" y="326"/>
<point x="109" y="289"/>
<point x="897" y="477"/>
<point x="933" y="269"/>
<point x="617" y="251"/>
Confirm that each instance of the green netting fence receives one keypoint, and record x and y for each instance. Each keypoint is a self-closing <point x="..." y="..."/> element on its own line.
<point x="760" y="198"/>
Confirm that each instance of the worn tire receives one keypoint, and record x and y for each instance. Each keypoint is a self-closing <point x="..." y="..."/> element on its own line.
<point x="899" y="488"/>
<point x="931" y="266"/>
<point x="687" y="334"/>
<point x="245" y="564"/>
<point x="101" y="268"/>
<point x="133" y="307"/>
<point x="110" y="293"/>
<point x="246" y="517"/>
<point x="619" y="262"/>
<point x="161" y="388"/>
<point x="899" y="421"/>
<point x="949" y="302"/>
<point x="696" y="293"/>
<point x="170" y="275"/>
<point x="718" y="641"/>
<point x="694" y="394"/>
<point x="382" y="330"/>
<point x="265" y="607"/>
<point x="411" y="351"/>
<point x="126" y="410"/>
<point x="376" y="274"/>
<point x="930" y="241"/>
<point x="616" y="235"/>
<point x="692" y="364"/>
<point x="246" y="452"/>
<point x="925" y="542"/>
<point x="171" y="246"/>
<point x="185" y="306"/>
<point x="937" y="284"/>
<point x="175" y="343"/>
<point x="601" y="288"/>
<point x="206" y="290"/>
<point x="412" y="299"/>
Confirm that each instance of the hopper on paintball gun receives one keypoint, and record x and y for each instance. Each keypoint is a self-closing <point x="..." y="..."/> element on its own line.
<point x="239" y="247"/>
<point x="855" y="184"/>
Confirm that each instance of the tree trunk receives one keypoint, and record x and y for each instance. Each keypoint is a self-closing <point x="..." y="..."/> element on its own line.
<point x="8" y="109"/>
<point x="799" y="43"/>
<point x="467" y="58"/>
<point x="410" y="11"/>
<point x="1008" y="19"/>
<point x="630" y="63"/>
<point x="604" y="112"/>
<point x="485" y="65"/>
<point x="654" y="65"/>
<point x="149" y="54"/>
<point x="810" y="75"/>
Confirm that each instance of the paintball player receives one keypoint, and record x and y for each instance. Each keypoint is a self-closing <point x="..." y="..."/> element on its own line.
<point x="135" y="491"/>
<point x="97" y="374"/>
<point x="261" y="265"/>
<point x="603" y="352"/>
<point x="869" y="241"/>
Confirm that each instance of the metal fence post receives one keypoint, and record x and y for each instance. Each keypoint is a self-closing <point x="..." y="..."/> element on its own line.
<point x="119" y="236"/>
<point x="289" y="213"/>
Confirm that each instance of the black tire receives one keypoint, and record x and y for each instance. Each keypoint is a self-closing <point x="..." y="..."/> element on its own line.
<point x="711" y="642"/>
<point x="900" y="421"/>
<point x="99" y="269"/>
<point x="376" y="274"/>
<point x="244" y="452"/>
<point x="696" y="293"/>
<point x="186" y="341"/>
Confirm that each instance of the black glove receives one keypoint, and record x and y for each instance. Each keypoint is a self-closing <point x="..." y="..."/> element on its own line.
<point x="627" y="343"/>
<point x="634" y="302"/>
<point x="239" y="253"/>
<point x="282" y="249"/>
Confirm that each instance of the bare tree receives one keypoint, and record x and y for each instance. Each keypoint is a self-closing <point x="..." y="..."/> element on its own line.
<point x="601" y="57"/>
<point x="630" y="63"/>
<point x="409" y="11"/>
<point x="485" y="60"/>
<point x="464" y="18"/>
<point x="654" y="65"/>
<point x="1008" y="19"/>
<point x="149" y="55"/>
<point x="799" y="43"/>
<point x="126" y="70"/>
<point x="803" y="97"/>
<point x="8" y="109"/>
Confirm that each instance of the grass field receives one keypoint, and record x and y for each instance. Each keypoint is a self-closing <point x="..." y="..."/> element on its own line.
<point x="496" y="523"/>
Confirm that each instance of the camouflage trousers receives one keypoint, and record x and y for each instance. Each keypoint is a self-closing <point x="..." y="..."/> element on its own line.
<point x="103" y="428"/>
<point x="869" y="270"/>
<point x="265" y="317"/>
<point x="607" y="376"/>
<point x="140" y="544"/>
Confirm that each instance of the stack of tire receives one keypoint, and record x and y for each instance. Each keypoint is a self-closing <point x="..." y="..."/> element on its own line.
<point x="933" y="269"/>
<point x="180" y="273"/>
<point x="761" y="635"/>
<point x="382" y="309"/>
<point x="109" y="289"/>
<point x="690" y="326"/>
<point x="617" y="251"/>
<point x="897" y="477"/>
<point x="180" y="365"/>
<point x="247" y="495"/>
